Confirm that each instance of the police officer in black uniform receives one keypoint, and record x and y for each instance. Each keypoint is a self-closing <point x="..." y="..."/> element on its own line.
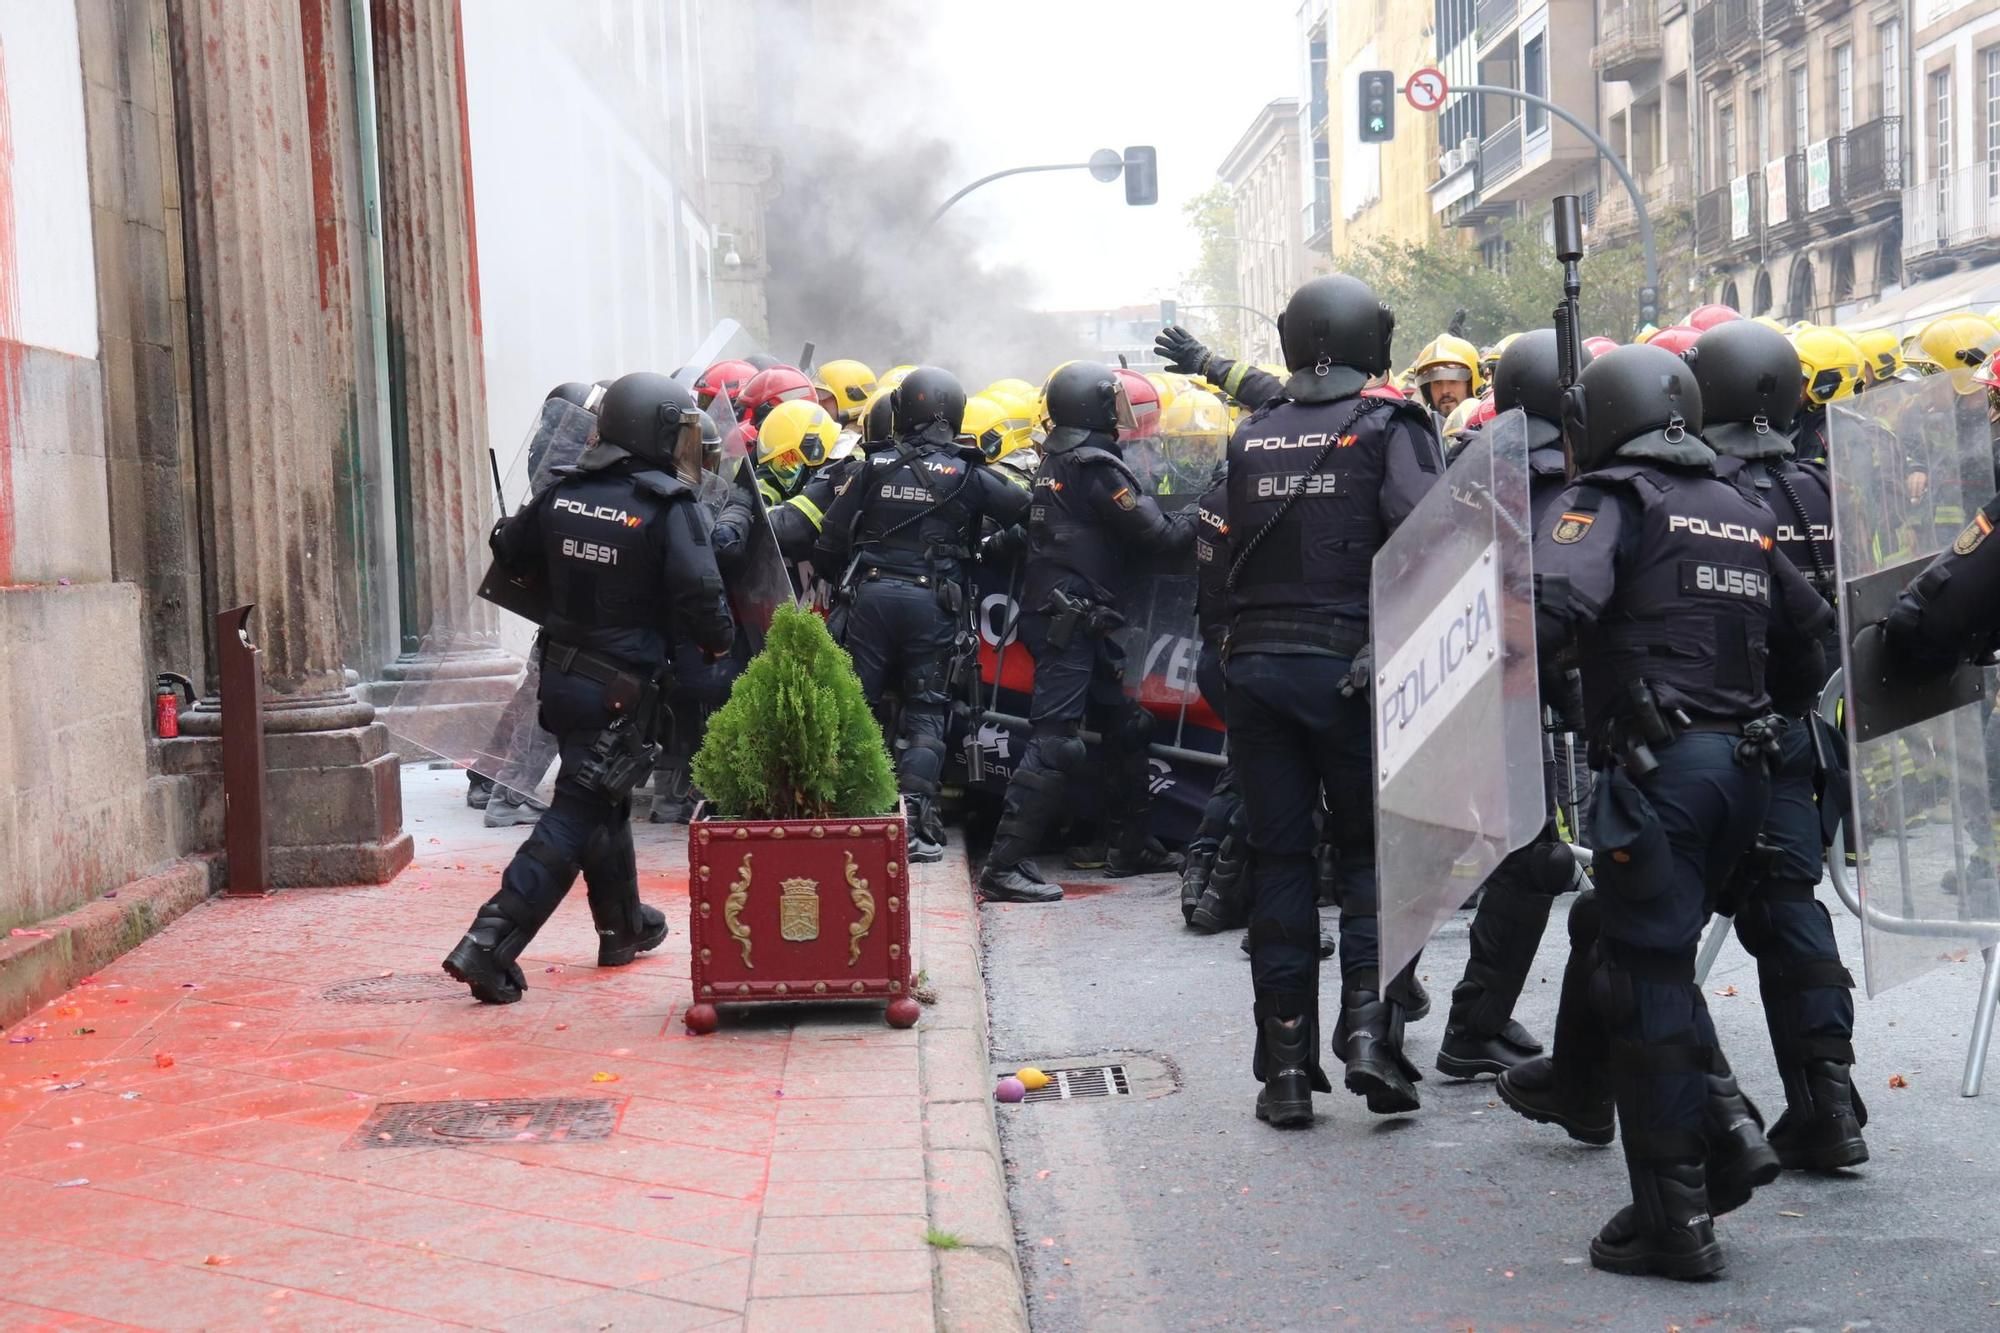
<point x="1951" y="612"/>
<point x="1215" y="874"/>
<point x="1666" y="578"/>
<point x="1318" y="480"/>
<point x="1481" y="1035"/>
<point x="1746" y="371"/>
<point x="623" y="548"/>
<point x="1090" y="516"/>
<point x="903" y="528"/>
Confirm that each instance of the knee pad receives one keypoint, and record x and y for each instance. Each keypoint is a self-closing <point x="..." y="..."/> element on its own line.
<point x="1584" y="919"/>
<point x="551" y="858"/>
<point x="1551" y="867"/>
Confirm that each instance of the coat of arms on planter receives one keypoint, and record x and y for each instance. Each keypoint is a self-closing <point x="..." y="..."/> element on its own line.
<point x="798" y="910"/>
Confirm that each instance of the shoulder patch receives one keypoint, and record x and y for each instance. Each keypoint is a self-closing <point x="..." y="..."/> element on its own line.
<point x="1572" y="528"/>
<point x="1975" y="533"/>
<point x="1124" y="499"/>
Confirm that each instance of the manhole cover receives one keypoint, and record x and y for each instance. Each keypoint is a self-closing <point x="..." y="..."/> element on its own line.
<point x="398" y="988"/>
<point x="1074" y="1078"/>
<point x="1067" y="1085"/>
<point x="503" y="1120"/>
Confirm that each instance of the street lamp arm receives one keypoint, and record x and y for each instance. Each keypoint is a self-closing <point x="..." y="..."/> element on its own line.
<point x="1605" y="151"/>
<point x="944" y="207"/>
<point x="1227" y="305"/>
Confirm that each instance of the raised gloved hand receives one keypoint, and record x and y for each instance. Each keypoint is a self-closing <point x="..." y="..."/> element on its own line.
<point x="1181" y="350"/>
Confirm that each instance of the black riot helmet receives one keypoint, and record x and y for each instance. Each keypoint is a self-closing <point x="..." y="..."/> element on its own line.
<point x="1087" y="395"/>
<point x="651" y="417"/>
<point x="1336" y="321"/>
<point x="1643" y="401"/>
<point x="928" y="396"/>
<point x="572" y="392"/>
<point x="879" y="427"/>
<point x="1529" y="375"/>
<point x="1748" y="374"/>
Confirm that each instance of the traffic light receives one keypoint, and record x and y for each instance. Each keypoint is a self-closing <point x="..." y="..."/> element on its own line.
<point x="1142" y="175"/>
<point x="1378" y="106"/>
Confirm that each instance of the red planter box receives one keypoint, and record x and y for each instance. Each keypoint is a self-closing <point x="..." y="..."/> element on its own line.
<point x="798" y="910"/>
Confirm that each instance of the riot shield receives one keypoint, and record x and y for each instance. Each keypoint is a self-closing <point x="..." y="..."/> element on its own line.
<point x="758" y="581"/>
<point x="1911" y="463"/>
<point x="1458" y="757"/>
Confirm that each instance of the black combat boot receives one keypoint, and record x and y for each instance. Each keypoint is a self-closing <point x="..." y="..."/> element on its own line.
<point x="1194" y="877"/>
<point x="626" y="927"/>
<point x="1578" y="1101"/>
<point x="1739" y="1159"/>
<point x="1369" y="1041"/>
<point x="1139" y="855"/>
<point x="1820" y="1129"/>
<point x="485" y="958"/>
<point x="478" y="789"/>
<point x="1666" y="1230"/>
<point x="1481" y="1036"/>
<point x="926" y="828"/>
<point x="1285" y="1098"/>
<point x="1033" y="799"/>
<point x="1225" y="903"/>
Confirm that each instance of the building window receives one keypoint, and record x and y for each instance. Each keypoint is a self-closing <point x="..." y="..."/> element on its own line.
<point x="1991" y="57"/>
<point x="1759" y="127"/>
<point x="1941" y="123"/>
<point x="1316" y="77"/>
<point x="1535" y="79"/>
<point x="1889" y="41"/>
<point x="1843" y="87"/>
<point x="1801" y="109"/>
<point x="1725" y="143"/>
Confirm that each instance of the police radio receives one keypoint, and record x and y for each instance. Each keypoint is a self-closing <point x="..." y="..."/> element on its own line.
<point x="1568" y="322"/>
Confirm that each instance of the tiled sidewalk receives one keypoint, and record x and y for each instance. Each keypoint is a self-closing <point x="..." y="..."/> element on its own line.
<point x="182" y="1141"/>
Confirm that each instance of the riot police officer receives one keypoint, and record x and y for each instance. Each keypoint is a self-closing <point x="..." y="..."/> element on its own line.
<point x="1215" y="873"/>
<point x="1746" y="371"/>
<point x="1090" y="517"/>
<point x="902" y="529"/>
<point x="1318" y="480"/>
<point x="623" y="547"/>
<point x="1481" y="1035"/>
<point x="1951" y="612"/>
<point x="1665" y="576"/>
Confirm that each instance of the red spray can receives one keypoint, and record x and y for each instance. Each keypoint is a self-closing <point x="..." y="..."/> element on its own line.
<point x="166" y="703"/>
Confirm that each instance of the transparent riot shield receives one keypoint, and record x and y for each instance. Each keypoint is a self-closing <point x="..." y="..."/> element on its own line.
<point x="757" y="579"/>
<point x="1911" y="464"/>
<point x="1458" y="756"/>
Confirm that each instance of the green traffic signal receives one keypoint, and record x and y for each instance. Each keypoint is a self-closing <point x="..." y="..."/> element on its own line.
<point x="1378" y="112"/>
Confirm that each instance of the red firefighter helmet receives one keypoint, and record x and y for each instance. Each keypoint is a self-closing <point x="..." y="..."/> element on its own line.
<point x="768" y="388"/>
<point x="1482" y="414"/>
<point x="1706" y="317"/>
<point x="724" y="377"/>
<point x="1599" y="345"/>
<point x="1144" y="397"/>
<point x="1386" y="389"/>
<point x="1676" y="339"/>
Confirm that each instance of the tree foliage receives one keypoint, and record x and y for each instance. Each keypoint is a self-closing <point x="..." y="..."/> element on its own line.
<point x="796" y="739"/>
<point x="1427" y="284"/>
<point x="1212" y="281"/>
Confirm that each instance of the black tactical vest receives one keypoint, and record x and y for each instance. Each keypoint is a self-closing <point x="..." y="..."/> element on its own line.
<point x="916" y="514"/>
<point x="1067" y="542"/>
<point x="604" y="543"/>
<point x="1548" y="477"/>
<point x="1800" y="495"/>
<point x="1314" y="562"/>
<point x="1693" y="604"/>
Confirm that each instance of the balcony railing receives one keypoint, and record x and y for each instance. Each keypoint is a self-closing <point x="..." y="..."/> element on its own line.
<point x="1706" y="33"/>
<point x="1739" y="26"/>
<point x="1783" y="17"/>
<point x="1493" y="18"/>
<point x="1629" y="41"/>
<point x="1871" y="163"/>
<point x="1667" y="187"/>
<point x="1956" y="209"/>
<point x="1500" y="155"/>
<point x="1786" y="208"/>
<point x="1722" y="230"/>
<point x="1711" y="222"/>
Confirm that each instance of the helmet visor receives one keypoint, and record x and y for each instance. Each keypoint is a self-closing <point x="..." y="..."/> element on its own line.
<point x="1829" y="383"/>
<point x="1443" y="373"/>
<point x="1122" y="406"/>
<point x="812" y="448"/>
<point x="679" y="436"/>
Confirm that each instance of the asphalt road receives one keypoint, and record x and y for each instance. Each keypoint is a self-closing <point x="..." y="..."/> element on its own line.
<point x="1180" y="1211"/>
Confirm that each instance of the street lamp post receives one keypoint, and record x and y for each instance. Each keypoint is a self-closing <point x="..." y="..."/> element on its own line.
<point x="1106" y="164"/>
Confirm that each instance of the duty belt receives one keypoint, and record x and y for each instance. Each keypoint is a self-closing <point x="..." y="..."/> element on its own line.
<point x="877" y="574"/>
<point x="574" y="661"/>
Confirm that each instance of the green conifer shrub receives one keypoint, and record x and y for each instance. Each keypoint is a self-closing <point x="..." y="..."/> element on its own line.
<point x="796" y="739"/>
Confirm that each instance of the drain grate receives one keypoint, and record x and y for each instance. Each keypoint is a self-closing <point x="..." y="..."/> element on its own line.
<point x="1069" y="1085"/>
<point x="397" y="988"/>
<point x="498" y="1120"/>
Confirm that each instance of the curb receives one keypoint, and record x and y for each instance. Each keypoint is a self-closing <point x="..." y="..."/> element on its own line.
<point x="978" y="1284"/>
<point x="38" y="967"/>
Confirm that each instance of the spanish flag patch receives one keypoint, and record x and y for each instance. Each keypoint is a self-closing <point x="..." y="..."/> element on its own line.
<point x="1123" y="498"/>
<point x="1975" y="533"/>
<point x="1571" y="528"/>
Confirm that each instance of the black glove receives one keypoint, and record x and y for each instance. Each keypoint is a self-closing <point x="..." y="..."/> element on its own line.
<point x="1360" y="677"/>
<point x="736" y="516"/>
<point x="1003" y="545"/>
<point x="1181" y="350"/>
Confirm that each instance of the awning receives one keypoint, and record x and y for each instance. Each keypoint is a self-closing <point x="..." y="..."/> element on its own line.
<point x="1909" y="309"/>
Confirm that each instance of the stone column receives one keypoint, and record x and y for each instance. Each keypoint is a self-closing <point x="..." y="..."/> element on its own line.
<point x="266" y="434"/>
<point x="429" y="245"/>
